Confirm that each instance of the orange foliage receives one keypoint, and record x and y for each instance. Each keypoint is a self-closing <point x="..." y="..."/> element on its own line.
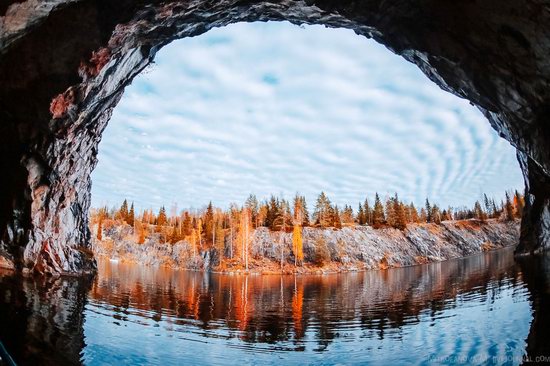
<point x="297" y="310"/>
<point x="297" y="244"/>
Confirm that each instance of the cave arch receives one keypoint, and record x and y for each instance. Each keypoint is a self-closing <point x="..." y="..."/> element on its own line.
<point x="64" y="65"/>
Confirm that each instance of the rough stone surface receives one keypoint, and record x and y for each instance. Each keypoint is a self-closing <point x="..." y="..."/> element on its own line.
<point x="359" y="247"/>
<point x="64" y="65"/>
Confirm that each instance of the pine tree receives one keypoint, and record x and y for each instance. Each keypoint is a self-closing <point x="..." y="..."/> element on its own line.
<point x="174" y="236"/>
<point x="400" y="219"/>
<point x="273" y="212"/>
<point x="335" y="217"/>
<point x="161" y="219"/>
<point x="123" y="212"/>
<point x="367" y="211"/>
<point x="208" y="223"/>
<point x="131" y="216"/>
<point x="428" y="211"/>
<point x="187" y="225"/>
<point x="252" y="205"/>
<point x="414" y="213"/>
<point x="478" y="212"/>
<point x="347" y="215"/>
<point x="487" y="203"/>
<point x="300" y="215"/>
<point x="360" y="215"/>
<point x="305" y="213"/>
<point x="378" y="218"/>
<point x="322" y="213"/>
<point x="423" y="215"/>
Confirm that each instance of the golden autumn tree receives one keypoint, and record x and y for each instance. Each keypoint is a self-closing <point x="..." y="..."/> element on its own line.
<point x="100" y="229"/>
<point x="199" y="233"/>
<point x="298" y="219"/>
<point x="243" y="235"/>
<point x="297" y="245"/>
<point x="141" y="231"/>
<point x="194" y="241"/>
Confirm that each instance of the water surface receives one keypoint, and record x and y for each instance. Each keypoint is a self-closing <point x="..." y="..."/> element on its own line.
<point x="477" y="310"/>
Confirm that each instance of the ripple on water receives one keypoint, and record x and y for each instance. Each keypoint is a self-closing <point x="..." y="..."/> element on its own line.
<point x="476" y="309"/>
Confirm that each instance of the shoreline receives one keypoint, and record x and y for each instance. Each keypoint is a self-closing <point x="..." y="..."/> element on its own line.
<point x="356" y="249"/>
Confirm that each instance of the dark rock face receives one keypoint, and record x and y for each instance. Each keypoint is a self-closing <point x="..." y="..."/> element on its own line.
<point x="64" y="65"/>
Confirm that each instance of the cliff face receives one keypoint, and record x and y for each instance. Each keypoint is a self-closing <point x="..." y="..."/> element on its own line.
<point x="350" y="248"/>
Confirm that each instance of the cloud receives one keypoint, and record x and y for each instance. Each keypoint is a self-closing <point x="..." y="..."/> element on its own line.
<point x="275" y="108"/>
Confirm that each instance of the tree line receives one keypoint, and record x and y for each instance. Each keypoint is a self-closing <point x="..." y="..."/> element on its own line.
<point x="228" y="231"/>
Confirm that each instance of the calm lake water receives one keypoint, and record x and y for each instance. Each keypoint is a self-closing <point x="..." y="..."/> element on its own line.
<point x="483" y="309"/>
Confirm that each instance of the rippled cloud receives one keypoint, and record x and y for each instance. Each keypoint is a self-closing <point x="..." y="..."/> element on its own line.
<point x="276" y="108"/>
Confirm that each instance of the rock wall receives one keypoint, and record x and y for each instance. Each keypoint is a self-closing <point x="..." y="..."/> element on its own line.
<point x="351" y="248"/>
<point x="64" y="65"/>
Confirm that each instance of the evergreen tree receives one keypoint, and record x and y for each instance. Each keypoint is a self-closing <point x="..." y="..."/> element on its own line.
<point x="401" y="219"/>
<point x="414" y="214"/>
<point x="428" y="211"/>
<point x="391" y="218"/>
<point x="131" y="216"/>
<point x="305" y="213"/>
<point x="360" y="215"/>
<point x="208" y="224"/>
<point x="347" y="215"/>
<point x="300" y="215"/>
<point x="174" y="236"/>
<point x="335" y="217"/>
<point x="161" y="219"/>
<point x="287" y="213"/>
<point x="378" y="218"/>
<point x="322" y="213"/>
<point x="423" y="215"/>
<point x="252" y="204"/>
<point x="478" y="212"/>
<point x="487" y="203"/>
<point x="187" y="224"/>
<point x="123" y="212"/>
<point x="367" y="211"/>
<point x="273" y="212"/>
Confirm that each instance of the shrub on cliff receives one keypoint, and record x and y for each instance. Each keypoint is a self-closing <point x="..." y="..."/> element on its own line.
<point x="322" y="252"/>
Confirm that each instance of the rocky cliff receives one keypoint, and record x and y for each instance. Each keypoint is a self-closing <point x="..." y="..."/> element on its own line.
<point x="350" y="248"/>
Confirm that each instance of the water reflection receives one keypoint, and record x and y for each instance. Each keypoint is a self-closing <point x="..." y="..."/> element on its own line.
<point x="42" y="319"/>
<point x="475" y="307"/>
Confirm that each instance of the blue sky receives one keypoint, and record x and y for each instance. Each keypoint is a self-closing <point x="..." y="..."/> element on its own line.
<point x="276" y="108"/>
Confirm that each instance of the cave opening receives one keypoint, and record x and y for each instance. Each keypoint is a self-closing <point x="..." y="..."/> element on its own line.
<point x="274" y="109"/>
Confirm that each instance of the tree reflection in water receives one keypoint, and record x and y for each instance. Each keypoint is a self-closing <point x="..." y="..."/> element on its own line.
<point x="43" y="320"/>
